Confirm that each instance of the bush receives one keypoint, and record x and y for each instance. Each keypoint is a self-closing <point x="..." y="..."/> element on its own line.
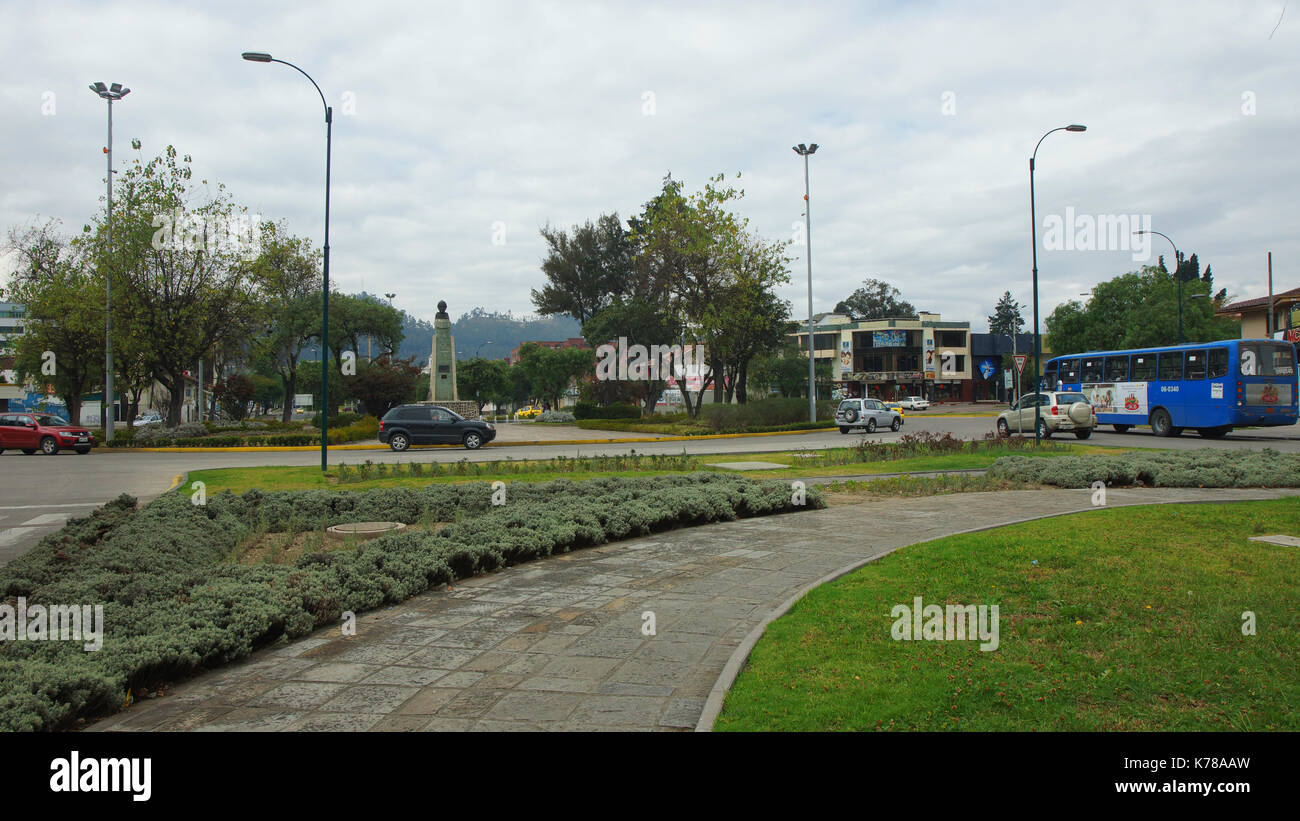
<point x="175" y="603"/>
<point x="555" y="416"/>
<point x="590" y="410"/>
<point x="764" y="413"/>
<point x="341" y="420"/>
<point x="1186" y="468"/>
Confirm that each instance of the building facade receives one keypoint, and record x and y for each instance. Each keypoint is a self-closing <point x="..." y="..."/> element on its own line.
<point x="11" y="327"/>
<point x="1254" y="316"/>
<point x="893" y="358"/>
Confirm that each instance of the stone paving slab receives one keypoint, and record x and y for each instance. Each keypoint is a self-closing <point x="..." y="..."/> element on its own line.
<point x="558" y="644"/>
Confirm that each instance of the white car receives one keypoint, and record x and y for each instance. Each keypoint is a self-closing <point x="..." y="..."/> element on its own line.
<point x="148" y="418"/>
<point x="914" y="403"/>
<point x="866" y="413"/>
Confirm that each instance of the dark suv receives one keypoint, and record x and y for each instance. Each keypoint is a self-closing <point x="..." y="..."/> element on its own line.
<point x="407" y="425"/>
<point x="30" y="432"/>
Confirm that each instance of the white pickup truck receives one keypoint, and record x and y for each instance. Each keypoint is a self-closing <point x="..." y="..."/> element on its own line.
<point x="914" y="403"/>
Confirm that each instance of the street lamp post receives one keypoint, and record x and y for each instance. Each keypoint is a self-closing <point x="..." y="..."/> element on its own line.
<point x="261" y="57"/>
<point x="1033" y="227"/>
<point x="110" y="93"/>
<point x="480" y="347"/>
<point x="805" y="151"/>
<point x="1178" y="264"/>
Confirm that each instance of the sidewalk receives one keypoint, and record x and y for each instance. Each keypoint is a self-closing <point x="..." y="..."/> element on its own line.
<point x="557" y="644"/>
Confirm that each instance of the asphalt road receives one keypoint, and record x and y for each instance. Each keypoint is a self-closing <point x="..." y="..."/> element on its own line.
<point x="38" y="493"/>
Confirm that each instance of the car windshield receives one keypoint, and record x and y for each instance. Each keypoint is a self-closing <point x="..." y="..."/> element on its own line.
<point x="47" y="421"/>
<point x="1070" y="398"/>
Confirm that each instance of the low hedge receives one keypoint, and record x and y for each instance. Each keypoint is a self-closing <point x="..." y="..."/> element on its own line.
<point x="341" y="420"/>
<point x="366" y="427"/>
<point x="174" y="602"/>
<point x="1206" y="467"/>
<point x="590" y="410"/>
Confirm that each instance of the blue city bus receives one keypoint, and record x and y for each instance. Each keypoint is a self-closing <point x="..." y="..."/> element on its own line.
<point x="1210" y="386"/>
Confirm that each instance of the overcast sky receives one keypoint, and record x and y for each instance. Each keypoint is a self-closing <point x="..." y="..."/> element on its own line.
<point x="453" y="120"/>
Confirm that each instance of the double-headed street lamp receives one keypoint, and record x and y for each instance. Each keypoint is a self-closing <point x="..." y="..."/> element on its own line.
<point x="1178" y="264"/>
<point x="805" y="151"/>
<point x="1033" y="227"/>
<point x="260" y="57"/>
<point x="111" y="93"/>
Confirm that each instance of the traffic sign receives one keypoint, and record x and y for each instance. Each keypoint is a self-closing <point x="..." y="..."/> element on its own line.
<point x="1021" y="359"/>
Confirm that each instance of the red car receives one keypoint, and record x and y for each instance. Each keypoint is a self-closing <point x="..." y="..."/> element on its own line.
<point x="30" y="432"/>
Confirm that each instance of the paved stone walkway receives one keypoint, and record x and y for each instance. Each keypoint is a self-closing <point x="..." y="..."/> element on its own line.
<point x="558" y="644"/>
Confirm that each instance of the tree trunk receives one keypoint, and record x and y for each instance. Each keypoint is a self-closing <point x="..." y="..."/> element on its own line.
<point x="290" y="383"/>
<point x="742" y="384"/>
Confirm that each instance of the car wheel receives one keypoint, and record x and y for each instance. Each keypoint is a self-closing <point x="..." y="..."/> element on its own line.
<point x="851" y="415"/>
<point x="83" y="451"/>
<point x="399" y="442"/>
<point x="49" y="446"/>
<point x="871" y="425"/>
<point x="898" y="423"/>
<point x="1083" y="433"/>
<point x="843" y="429"/>
<point x="1161" y="424"/>
<point x="1003" y="428"/>
<point x="1044" y="432"/>
<point x="473" y="441"/>
<point x="1122" y="428"/>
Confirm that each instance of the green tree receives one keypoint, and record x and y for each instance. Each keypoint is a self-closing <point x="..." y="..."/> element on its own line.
<point x="179" y="281"/>
<point x="876" y="299"/>
<point x="1137" y="310"/>
<point x="382" y="384"/>
<point x="63" y="343"/>
<point x="481" y="379"/>
<point x="234" y="393"/>
<point x="585" y="270"/>
<point x="287" y="275"/>
<point x="550" y="370"/>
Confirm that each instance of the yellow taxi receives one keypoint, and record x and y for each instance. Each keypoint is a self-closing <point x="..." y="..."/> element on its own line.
<point x="529" y="412"/>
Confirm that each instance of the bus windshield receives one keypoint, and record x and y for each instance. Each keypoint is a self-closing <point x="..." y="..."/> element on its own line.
<point x="1267" y="359"/>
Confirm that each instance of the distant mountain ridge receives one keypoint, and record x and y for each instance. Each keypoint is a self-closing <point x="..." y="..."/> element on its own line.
<point x="486" y="333"/>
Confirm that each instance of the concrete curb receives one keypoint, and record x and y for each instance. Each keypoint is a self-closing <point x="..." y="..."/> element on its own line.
<point x="713" y="705"/>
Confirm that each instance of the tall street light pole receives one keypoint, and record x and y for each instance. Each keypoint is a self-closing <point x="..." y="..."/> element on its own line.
<point x="805" y="151"/>
<point x="1178" y="264"/>
<point x="261" y="57"/>
<point x="110" y="93"/>
<point x="1033" y="227"/>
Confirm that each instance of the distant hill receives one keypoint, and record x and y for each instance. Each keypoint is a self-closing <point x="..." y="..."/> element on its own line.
<point x="491" y="335"/>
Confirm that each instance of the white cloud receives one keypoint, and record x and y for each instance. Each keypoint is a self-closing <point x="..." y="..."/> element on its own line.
<point x="526" y="113"/>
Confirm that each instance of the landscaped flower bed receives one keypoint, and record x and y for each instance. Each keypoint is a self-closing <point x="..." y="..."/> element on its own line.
<point x="175" y="601"/>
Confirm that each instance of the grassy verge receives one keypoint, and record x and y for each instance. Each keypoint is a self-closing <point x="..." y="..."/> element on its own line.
<point x="1123" y="619"/>
<point x="830" y="462"/>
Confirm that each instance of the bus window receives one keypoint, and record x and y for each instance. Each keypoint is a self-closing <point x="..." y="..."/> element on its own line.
<point x="1144" y="367"/>
<point x="1196" y="364"/>
<point x="1117" y="368"/>
<point x="1049" y="376"/>
<point x="1218" y="362"/>
<point x="1171" y="366"/>
<point x="1267" y="359"/>
<point x="1068" y="371"/>
<point x="1092" y="370"/>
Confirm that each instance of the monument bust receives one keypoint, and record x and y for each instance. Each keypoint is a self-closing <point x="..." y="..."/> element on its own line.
<point x="442" y="359"/>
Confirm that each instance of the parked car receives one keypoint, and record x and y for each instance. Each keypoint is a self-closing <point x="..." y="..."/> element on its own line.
<point x="915" y="403"/>
<point x="30" y="432"/>
<point x="148" y="418"/>
<point x="1058" y="411"/>
<point x="866" y="413"/>
<point x="407" y="425"/>
<point x="529" y="412"/>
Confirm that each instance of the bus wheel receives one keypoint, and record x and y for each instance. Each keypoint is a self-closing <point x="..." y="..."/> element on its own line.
<point x="1214" y="433"/>
<point x="1123" y="428"/>
<point x="1161" y="424"/>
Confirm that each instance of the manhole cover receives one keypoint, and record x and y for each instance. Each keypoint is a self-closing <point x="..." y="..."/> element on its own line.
<point x="364" y="530"/>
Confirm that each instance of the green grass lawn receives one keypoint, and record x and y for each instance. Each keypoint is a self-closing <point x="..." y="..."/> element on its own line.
<point x="238" y="480"/>
<point x="1131" y="620"/>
